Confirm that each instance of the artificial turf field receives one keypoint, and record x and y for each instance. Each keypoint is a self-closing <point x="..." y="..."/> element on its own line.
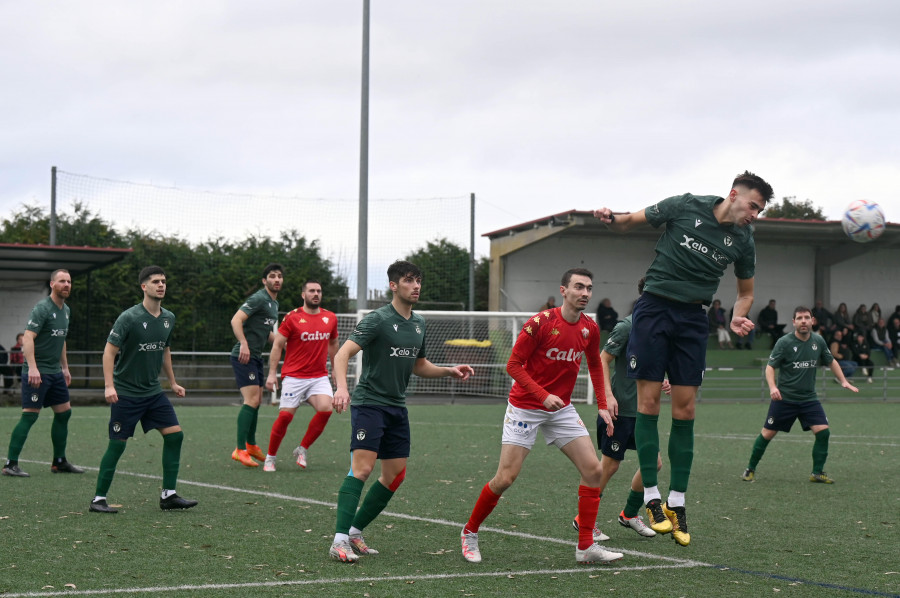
<point x="262" y="534"/>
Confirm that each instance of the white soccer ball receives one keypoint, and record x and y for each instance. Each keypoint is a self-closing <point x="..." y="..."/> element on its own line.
<point x="863" y="221"/>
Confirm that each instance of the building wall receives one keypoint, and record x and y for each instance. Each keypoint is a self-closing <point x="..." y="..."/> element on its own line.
<point x="18" y="300"/>
<point x="785" y="273"/>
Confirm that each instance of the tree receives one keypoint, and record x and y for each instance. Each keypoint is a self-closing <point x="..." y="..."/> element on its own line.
<point x="445" y="267"/>
<point x="795" y="210"/>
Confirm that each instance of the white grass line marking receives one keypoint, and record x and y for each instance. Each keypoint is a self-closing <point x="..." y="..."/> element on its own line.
<point x="343" y="580"/>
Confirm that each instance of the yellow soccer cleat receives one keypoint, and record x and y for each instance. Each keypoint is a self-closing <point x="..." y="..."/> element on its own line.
<point x="658" y="520"/>
<point x="679" y="524"/>
<point x="821" y="478"/>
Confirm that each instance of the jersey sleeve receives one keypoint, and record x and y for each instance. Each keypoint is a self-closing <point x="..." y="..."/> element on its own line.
<point x="529" y="339"/>
<point x="665" y="210"/>
<point x="334" y="328"/>
<point x="745" y="266"/>
<point x="777" y="354"/>
<point x="366" y="330"/>
<point x="287" y="325"/>
<point x="251" y="305"/>
<point x="119" y="331"/>
<point x="826" y="355"/>
<point x="617" y="341"/>
<point x="595" y="368"/>
<point x="36" y="319"/>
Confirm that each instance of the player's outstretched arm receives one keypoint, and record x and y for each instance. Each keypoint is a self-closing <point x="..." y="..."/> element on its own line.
<point x="341" y="399"/>
<point x="169" y="371"/>
<point x="839" y="374"/>
<point x="426" y="369"/>
<point x="109" y="363"/>
<point x="237" y="327"/>
<point x="741" y="325"/>
<point x="770" y="380"/>
<point x="622" y="222"/>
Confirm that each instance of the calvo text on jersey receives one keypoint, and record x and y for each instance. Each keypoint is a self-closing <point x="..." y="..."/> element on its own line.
<point x="562" y="355"/>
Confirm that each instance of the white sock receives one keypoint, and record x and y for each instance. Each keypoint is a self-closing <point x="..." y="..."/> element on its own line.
<point x="96" y="498"/>
<point x="340" y="538"/>
<point x="166" y="493"/>
<point x="354" y="531"/>
<point x="270" y="457"/>
<point x="676" y="499"/>
<point x="651" y="493"/>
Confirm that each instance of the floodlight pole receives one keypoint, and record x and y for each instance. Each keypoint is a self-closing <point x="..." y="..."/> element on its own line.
<point x="471" y="252"/>
<point x="362" y="266"/>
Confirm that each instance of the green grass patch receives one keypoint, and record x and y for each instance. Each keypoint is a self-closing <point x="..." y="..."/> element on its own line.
<point x="259" y="534"/>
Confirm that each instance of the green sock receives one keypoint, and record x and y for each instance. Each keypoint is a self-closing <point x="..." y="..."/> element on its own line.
<point x="820" y="450"/>
<point x="114" y="450"/>
<point x="348" y="500"/>
<point x="646" y="438"/>
<point x="633" y="504"/>
<point x="759" y="448"/>
<point x="59" y="433"/>
<point x="681" y="453"/>
<point x="251" y="431"/>
<point x="171" y="459"/>
<point x="245" y="419"/>
<point x="19" y="434"/>
<point x="376" y="500"/>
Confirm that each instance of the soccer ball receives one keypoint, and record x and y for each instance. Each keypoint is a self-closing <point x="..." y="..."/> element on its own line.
<point x="863" y="221"/>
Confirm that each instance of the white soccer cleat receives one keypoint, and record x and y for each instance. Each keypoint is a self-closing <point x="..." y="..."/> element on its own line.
<point x="342" y="551"/>
<point x="596" y="554"/>
<point x="269" y="465"/>
<point x="300" y="453"/>
<point x="470" y="550"/>
<point x="598" y="535"/>
<point x="637" y="524"/>
<point x="360" y="547"/>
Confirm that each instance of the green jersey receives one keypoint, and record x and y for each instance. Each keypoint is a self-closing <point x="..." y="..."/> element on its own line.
<point x="142" y="339"/>
<point x="391" y="344"/>
<point x="262" y="312"/>
<point x="796" y="361"/>
<point x="694" y="249"/>
<point x="51" y="325"/>
<point x="623" y="387"/>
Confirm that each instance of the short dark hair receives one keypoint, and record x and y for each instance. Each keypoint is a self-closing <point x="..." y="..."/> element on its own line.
<point x="801" y="309"/>
<point x="149" y="271"/>
<point x="57" y="271"/>
<point x="567" y="277"/>
<point x="308" y="281"/>
<point x="752" y="181"/>
<point x="273" y="267"/>
<point x="401" y="269"/>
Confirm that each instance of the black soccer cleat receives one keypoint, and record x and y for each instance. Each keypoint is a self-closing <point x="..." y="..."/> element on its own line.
<point x="175" y="502"/>
<point x="100" y="506"/>
<point x="65" y="467"/>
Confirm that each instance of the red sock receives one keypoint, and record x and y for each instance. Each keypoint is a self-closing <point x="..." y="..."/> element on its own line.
<point x="314" y="430"/>
<point x="279" y="429"/>
<point x="483" y="507"/>
<point x="588" y="505"/>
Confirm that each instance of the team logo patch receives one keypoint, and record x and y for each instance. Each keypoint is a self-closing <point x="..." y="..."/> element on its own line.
<point x="34" y="397"/>
<point x="632" y="363"/>
<point x="554" y="332"/>
<point x="117" y="427"/>
<point x="770" y="421"/>
<point x="728" y="241"/>
<point x="325" y="319"/>
<point x="528" y="329"/>
<point x="815" y="346"/>
<point x="166" y="323"/>
<point x="585" y="332"/>
<point x="615" y="446"/>
<point x="418" y="330"/>
<point x="145" y="325"/>
<point x="697" y="223"/>
<point x="303" y="321"/>
<point x="252" y="376"/>
<point x="395" y="327"/>
<point x="537" y="319"/>
<point x="361" y="434"/>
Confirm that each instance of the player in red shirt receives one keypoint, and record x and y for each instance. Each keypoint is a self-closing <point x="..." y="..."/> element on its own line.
<point x="544" y="364"/>
<point x="311" y="336"/>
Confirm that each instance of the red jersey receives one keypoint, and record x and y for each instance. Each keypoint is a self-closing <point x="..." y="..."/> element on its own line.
<point x="547" y="356"/>
<point x="308" y="336"/>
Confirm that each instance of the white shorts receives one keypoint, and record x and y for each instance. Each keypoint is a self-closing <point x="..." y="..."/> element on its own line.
<point x="298" y="390"/>
<point x="520" y="426"/>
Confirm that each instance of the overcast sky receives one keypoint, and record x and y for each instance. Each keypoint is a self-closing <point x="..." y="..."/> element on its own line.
<point x="537" y="107"/>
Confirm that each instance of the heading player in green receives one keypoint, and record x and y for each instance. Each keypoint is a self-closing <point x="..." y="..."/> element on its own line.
<point x="253" y="325"/>
<point x="798" y="357"/>
<point x="670" y="328"/>
<point x="140" y="337"/>
<point x="45" y="377"/>
<point x="392" y="339"/>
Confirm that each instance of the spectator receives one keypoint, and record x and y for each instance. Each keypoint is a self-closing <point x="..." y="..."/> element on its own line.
<point x="841" y="351"/>
<point x="768" y="322"/>
<point x="551" y="303"/>
<point x="743" y="341"/>
<point x="881" y="339"/>
<point x="896" y="314"/>
<point x="607" y="316"/>
<point x="861" y="319"/>
<point x="862" y="354"/>
<point x="894" y="333"/>
<point x="842" y="318"/>
<point x="17" y="357"/>
<point x="6" y="371"/>
<point x="718" y="325"/>
<point x="824" y="322"/>
<point x="874" y="315"/>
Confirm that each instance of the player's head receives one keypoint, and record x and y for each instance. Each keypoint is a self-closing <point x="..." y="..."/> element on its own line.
<point x="273" y="277"/>
<point x="576" y="287"/>
<point x="802" y="319"/>
<point x="405" y="280"/>
<point x="60" y="283"/>
<point x="311" y="293"/>
<point x="747" y="199"/>
<point x="153" y="282"/>
<point x="19" y="338"/>
<point x="752" y="182"/>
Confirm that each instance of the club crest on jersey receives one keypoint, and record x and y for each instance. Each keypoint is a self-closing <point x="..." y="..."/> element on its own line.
<point x="361" y="434"/>
<point x="54" y="316"/>
<point x="145" y="325"/>
<point x="795" y="349"/>
<point x="728" y="241"/>
<point x="396" y="326"/>
<point x="166" y="323"/>
<point x="815" y="346"/>
<point x="418" y="330"/>
<point x="325" y="319"/>
<point x="585" y="332"/>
